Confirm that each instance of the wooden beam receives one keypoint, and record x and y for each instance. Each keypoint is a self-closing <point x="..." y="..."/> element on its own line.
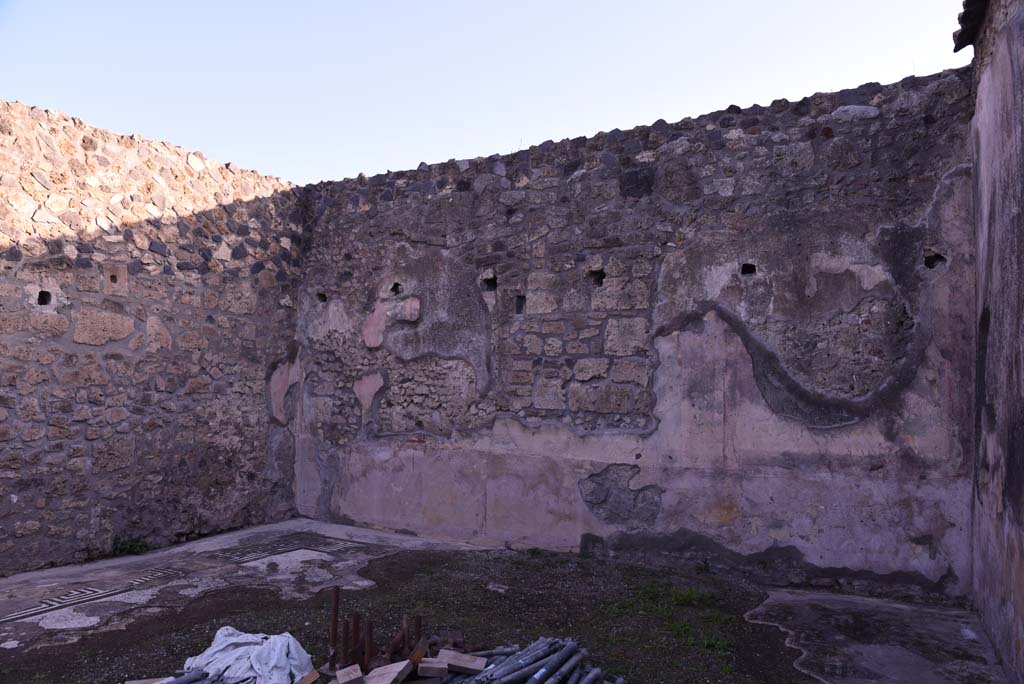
<point x="431" y="667"/>
<point x="460" y="662"/>
<point x="351" y="675"/>
<point x="390" y="674"/>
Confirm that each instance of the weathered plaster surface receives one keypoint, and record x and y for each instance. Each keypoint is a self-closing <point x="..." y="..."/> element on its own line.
<point x="747" y="337"/>
<point x="997" y="14"/>
<point x="747" y="328"/>
<point x="853" y="640"/>
<point x="998" y="140"/>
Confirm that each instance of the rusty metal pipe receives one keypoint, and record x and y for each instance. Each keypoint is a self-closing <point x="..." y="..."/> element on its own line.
<point x="368" y="646"/>
<point x="332" y="640"/>
<point x="355" y="634"/>
<point x="345" y="644"/>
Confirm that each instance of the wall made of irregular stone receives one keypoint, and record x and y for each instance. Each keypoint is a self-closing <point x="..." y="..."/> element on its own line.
<point x="145" y="294"/>
<point x="997" y="14"/>
<point x="998" y="142"/>
<point x="743" y="334"/>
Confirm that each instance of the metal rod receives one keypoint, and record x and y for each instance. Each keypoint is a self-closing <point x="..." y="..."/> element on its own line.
<point x="355" y="634"/>
<point x="405" y="635"/>
<point x="332" y="641"/>
<point x="368" y="647"/>
<point x="346" y="645"/>
<point x="395" y="646"/>
<point x="592" y="676"/>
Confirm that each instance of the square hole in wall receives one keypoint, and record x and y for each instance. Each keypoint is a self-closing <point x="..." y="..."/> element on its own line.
<point x="115" y="279"/>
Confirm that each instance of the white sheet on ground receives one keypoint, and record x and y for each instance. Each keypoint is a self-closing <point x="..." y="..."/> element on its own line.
<point x="240" y="658"/>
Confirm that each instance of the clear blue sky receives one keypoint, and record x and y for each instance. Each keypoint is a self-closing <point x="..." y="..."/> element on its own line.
<point x="311" y="90"/>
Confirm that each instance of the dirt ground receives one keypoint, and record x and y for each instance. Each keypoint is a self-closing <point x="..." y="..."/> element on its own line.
<point x="649" y="626"/>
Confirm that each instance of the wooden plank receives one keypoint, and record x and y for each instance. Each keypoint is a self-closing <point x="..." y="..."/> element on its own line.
<point x="420" y="652"/>
<point x="390" y="674"/>
<point x="460" y="662"/>
<point x="432" y="667"/>
<point x="310" y="677"/>
<point x="353" y="674"/>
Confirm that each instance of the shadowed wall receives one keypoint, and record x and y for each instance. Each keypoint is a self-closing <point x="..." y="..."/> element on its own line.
<point x="998" y="146"/>
<point x="143" y="297"/>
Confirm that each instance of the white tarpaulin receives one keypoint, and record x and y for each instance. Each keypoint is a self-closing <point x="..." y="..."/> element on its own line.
<point x="240" y="658"/>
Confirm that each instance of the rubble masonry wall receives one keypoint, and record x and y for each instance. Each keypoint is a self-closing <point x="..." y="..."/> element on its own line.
<point x="739" y="337"/>
<point x="144" y="296"/>
<point x="745" y="336"/>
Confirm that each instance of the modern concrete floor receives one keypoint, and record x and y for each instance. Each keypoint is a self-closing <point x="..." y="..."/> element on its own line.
<point x="844" y="639"/>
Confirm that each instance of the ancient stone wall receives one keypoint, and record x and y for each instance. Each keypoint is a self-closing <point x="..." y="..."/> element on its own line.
<point x="746" y="336"/>
<point x="998" y="143"/>
<point x="145" y="294"/>
<point x="997" y="13"/>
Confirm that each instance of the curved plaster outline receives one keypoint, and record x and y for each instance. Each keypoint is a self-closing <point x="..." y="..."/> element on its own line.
<point x="770" y="371"/>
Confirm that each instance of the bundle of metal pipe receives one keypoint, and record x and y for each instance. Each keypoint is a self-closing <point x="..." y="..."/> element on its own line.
<point x="545" y="661"/>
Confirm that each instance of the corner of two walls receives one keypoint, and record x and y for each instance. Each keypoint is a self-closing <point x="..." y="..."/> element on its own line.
<point x="144" y="294"/>
<point x="744" y="336"/>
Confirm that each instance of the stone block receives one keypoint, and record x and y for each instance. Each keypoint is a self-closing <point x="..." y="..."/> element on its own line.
<point x="630" y="370"/>
<point x="626" y="336"/>
<point x="588" y="369"/>
<point x="605" y="397"/>
<point x="540" y="302"/>
<point x="115" y="279"/>
<point x="548" y="394"/>
<point x="620" y="294"/>
<point x="97" y="327"/>
<point x="48" y="323"/>
<point x="113" y="454"/>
